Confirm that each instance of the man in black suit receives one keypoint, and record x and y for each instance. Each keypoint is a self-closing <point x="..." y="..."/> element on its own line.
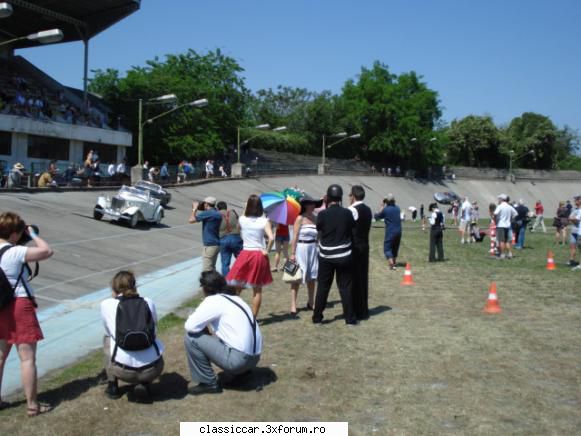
<point x="335" y="227"/>
<point x="362" y="215"/>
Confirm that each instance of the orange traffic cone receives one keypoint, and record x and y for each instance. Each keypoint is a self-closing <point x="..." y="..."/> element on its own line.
<point x="550" y="261"/>
<point x="492" y="305"/>
<point x="407" y="276"/>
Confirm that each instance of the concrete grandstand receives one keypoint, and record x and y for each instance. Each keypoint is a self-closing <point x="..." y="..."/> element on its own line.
<point x="40" y="119"/>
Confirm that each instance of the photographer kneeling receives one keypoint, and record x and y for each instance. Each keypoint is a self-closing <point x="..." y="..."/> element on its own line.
<point x="132" y="352"/>
<point x="18" y="323"/>
<point x="236" y="342"/>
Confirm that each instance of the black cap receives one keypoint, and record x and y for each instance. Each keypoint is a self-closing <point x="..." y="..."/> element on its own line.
<point x="334" y="192"/>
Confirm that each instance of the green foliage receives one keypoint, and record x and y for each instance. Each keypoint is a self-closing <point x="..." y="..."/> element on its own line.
<point x="533" y="132"/>
<point x="389" y="111"/>
<point x="190" y="76"/>
<point x="474" y="141"/>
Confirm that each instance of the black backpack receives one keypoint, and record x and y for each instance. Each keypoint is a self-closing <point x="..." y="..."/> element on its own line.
<point x="134" y="326"/>
<point x="6" y="289"/>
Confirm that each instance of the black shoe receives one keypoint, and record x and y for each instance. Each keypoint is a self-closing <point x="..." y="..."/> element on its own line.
<point x="140" y="394"/>
<point x="204" y="388"/>
<point x="294" y="315"/>
<point x="352" y="323"/>
<point x="317" y="320"/>
<point x="112" y="391"/>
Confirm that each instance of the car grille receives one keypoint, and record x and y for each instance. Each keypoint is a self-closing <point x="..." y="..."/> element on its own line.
<point x="117" y="203"/>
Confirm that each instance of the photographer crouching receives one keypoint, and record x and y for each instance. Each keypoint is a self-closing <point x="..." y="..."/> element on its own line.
<point x="18" y="322"/>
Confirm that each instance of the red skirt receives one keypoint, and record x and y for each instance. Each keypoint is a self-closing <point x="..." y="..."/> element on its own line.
<point x="18" y="322"/>
<point x="251" y="268"/>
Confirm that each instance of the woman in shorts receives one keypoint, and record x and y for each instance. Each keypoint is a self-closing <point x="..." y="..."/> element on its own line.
<point x="281" y="239"/>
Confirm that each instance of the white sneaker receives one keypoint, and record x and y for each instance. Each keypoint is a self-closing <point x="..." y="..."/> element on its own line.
<point x="576" y="268"/>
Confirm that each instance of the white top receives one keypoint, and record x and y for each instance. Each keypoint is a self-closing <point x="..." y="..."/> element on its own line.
<point x="135" y="359"/>
<point x="354" y="211"/>
<point x="121" y="168"/>
<point x="252" y="232"/>
<point x="111" y="169"/>
<point x="576" y="228"/>
<point x="11" y="264"/>
<point x="466" y="211"/>
<point x="227" y="321"/>
<point x="504" y="214"/>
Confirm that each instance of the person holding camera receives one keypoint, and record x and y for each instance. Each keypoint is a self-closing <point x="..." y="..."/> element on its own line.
<point x="206" y="213"/>
<point x="222" y="330"/>
<point x="18" y="322"/>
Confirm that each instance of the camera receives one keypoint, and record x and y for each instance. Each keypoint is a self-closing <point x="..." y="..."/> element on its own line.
<point x="25" y="238"/>
<point x="202" y="206"/>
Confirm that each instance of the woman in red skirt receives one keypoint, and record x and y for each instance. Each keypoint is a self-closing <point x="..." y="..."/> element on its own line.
<point x="252" y="268"/>
<point x="18" y="323"/>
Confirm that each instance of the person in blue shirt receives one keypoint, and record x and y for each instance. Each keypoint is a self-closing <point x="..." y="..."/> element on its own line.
<point x="391" y="215"/>
<point x="210" y="218"/>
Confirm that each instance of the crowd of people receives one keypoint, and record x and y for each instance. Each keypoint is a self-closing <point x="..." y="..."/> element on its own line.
<point x="329" y="242"/>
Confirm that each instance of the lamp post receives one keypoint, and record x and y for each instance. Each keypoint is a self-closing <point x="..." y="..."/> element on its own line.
<point x="237" y="167"/>
<point x="511" y="159"/>
<point x="137" y="171"/>
<point x="42" y="37"/>
<point x="343" y="136"/>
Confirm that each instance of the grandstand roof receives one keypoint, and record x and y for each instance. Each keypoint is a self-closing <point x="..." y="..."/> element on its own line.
<point x="78" y="19"/>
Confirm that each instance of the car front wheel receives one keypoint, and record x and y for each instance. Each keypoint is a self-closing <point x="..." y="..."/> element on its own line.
<point x="133" y="220"/>
<point x="98" y="213"/>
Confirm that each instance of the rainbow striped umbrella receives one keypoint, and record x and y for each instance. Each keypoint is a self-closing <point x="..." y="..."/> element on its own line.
<point x="280" y="208"/>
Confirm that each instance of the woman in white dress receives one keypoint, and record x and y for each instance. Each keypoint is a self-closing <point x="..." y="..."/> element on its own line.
<point x="305" y="252"/>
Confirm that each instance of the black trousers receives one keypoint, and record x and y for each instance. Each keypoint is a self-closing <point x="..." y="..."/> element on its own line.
<point x="436" y="244"/>
<point x="360" y="289"/>
<point x="341" y="268"/>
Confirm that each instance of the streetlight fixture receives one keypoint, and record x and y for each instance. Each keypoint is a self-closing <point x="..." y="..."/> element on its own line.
<point x="325" y="146"/>
<point x="42" y="37"/>
<point x="259" y="127"/>
<point x="511" y="159"/>
<point x="5" y="10"/>
<point x="164" y="99"/>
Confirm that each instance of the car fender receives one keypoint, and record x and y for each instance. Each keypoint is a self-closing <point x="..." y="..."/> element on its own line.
<point x="131" y="210"/>
<point x="102" y="201"/>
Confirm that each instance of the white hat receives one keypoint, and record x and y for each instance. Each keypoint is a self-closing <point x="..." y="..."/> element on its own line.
<point x="503" y="197"/>
<point x="210" y="200"/>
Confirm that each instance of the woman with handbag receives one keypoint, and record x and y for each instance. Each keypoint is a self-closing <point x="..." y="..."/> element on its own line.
<point x="252" y="267"/>
<point x="18" y="323"/>
<point x="305" y="251"/>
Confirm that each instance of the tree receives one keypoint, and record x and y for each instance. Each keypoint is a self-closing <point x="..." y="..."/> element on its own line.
<point x="474" y="141"/>
<point x="389" y="111"/>
<point x="533" y="132"/>
<point x="189" y="132"/>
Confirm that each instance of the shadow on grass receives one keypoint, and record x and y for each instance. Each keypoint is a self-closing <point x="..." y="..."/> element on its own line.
<point x="253" y="380"/>
<point x="71" y="390"/>
<point x="170" y="386"/>
<point x="274" y="318"/>
<point x="372" y="312"/>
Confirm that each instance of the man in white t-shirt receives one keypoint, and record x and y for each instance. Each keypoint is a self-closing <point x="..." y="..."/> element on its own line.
<point x="504" y="214"/>
<point x="575" y="238"/>
<point x="465" y="216"/>
<point x="223" y="331"/>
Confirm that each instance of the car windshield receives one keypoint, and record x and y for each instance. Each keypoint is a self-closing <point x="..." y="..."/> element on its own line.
<point x="129" y="190"/>
<point x="142" y="184"/>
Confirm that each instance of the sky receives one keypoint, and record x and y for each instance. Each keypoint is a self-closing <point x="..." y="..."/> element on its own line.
<point x="495" y="57"/>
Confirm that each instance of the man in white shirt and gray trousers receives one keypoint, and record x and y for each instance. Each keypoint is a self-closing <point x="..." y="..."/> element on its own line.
<point x="223" y="331"/>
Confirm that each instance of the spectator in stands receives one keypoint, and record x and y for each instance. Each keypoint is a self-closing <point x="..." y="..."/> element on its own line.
<point x="122" y="168"/>
<point x="111" y="170"/>
<point x="45" y="180"/>
<point x="164" y="173"/>
<point x="153" y="174"/>
<point x="15" y="176"/>
<point x="209" y="168"/>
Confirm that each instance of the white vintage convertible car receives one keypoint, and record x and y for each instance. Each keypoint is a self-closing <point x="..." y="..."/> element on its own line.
<point x="129" y="205"/>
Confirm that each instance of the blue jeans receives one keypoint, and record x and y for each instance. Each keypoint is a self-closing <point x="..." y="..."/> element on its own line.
<point x="229" y="245"/>
<point x="520" y="239"/>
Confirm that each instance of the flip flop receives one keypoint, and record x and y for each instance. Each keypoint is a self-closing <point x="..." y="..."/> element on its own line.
<point x="39" y="410"/>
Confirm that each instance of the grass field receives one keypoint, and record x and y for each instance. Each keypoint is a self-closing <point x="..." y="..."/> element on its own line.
<point x="428" y="361"/>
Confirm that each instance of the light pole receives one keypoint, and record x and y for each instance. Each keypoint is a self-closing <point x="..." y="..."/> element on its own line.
<point x="168" y="98"/>
<point x="42" y="37"/>
<point x="237" y="167"/>
<point x="343" y="136"/>
<point x="511" y="159"/>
